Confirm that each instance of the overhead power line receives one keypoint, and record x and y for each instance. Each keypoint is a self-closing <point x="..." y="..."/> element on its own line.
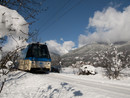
<point x="54" y="15"/>
<point x="78" y="3"/>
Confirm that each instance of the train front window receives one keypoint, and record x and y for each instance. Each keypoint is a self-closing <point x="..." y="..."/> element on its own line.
<point x="35" y="51"/>
<point x="44" y="52"/>
<point x="38" y="51"/>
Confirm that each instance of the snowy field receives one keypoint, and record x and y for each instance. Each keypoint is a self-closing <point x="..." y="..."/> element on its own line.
<point x="64" y="85"/>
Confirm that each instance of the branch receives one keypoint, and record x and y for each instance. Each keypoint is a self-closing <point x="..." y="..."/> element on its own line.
<point x="23" y="32"/>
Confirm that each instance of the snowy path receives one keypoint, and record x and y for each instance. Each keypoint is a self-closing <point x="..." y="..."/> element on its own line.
<point x="118" y="91"/>
<point x="54" y="85"/>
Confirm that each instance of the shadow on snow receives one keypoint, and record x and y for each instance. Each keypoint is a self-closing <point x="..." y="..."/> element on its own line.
<point x="64" y="91"/>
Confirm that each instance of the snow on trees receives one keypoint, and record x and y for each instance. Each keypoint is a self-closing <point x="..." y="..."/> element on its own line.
<point x="113" y="60"/>
<point x="14" y="32"/>
<point x="84" y="68"/>
<point x="14" y="28"/>
<point x="9" y="64"/>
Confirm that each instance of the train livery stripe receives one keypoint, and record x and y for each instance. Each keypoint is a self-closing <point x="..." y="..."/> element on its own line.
<point x="38" y="59"/>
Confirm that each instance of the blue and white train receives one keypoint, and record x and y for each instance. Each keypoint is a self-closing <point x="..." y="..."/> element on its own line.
<point x="37" y="57"/>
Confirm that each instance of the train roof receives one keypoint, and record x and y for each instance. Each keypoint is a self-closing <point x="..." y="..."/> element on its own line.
<point x="38" y="43"/>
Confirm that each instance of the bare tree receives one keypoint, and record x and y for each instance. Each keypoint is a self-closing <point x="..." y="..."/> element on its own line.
<point x="27" y="8"/>
<point x="113" y="60"/>
<point x="5" y="67"/>
<point x="17" y="33"/>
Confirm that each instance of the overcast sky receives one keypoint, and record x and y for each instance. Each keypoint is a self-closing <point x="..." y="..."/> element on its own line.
<point x="68" y="24"/>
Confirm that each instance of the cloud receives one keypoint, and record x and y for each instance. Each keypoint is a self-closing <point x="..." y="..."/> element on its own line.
<point x="68" y="45"/>
<point x="110" y="25"/>
<point x="58" y="48"/>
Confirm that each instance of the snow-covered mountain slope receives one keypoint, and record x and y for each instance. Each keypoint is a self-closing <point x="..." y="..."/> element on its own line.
<point x="87" y="52"/>
<point x="28" y="85"/>
<point x="55" y="58"/>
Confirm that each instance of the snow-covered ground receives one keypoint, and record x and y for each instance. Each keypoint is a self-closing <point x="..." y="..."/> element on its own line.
<point x="64" y="85"/>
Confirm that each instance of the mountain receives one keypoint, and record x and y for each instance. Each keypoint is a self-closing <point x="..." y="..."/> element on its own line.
<point x="87" y="52"/>
<point x="55" y="58"/>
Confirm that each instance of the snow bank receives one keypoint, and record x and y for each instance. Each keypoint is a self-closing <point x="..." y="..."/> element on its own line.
<point x="69" y="70"/>
<point x="88" y="69"/>
<point x="99" y="77"/>
<point x="14" y="28"/>
<point x="27" y="85"/>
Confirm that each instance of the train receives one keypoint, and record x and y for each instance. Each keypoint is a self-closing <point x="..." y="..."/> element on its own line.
<point x="37" y="58"/>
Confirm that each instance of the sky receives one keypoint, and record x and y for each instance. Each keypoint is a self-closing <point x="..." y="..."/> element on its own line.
<point x="69" y="24"/>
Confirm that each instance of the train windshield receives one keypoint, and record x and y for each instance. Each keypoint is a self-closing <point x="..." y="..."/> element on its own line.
<point x="38" y="51"/>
